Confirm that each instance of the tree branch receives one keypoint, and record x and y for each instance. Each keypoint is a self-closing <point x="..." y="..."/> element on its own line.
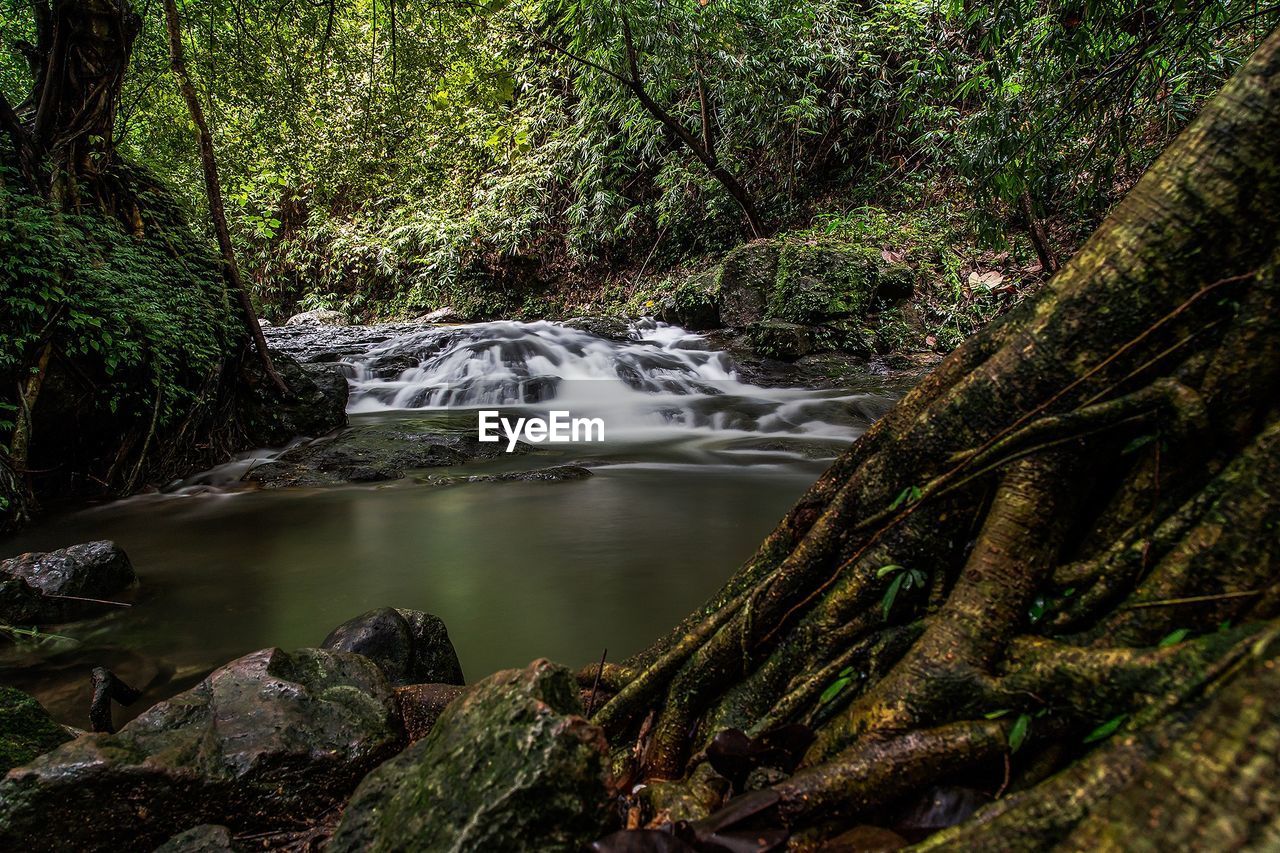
<point x="213" y="188"/>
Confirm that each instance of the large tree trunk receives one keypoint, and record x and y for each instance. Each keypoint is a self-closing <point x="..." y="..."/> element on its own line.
<point x="1072" y="486"/>
<point x="62" y="132"/>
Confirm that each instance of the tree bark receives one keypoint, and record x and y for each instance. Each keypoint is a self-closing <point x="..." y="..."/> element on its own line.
<point x="1035" y="229"/>
<point x="1087" y="486"/>
<point x="213" y="189"/>
<point x="62" y="132"/>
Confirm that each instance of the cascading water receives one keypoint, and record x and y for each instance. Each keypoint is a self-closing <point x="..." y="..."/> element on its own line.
<point x="660" y="383"/>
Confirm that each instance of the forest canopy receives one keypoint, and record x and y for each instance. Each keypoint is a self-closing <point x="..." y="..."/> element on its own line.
<point x="389" y="157"/>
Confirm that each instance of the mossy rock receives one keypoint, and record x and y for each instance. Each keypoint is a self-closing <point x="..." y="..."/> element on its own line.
<point x="780" y="340"/>
<point x="270" y="741"/>
<point x="26" y="729"/>
<point x="747" y="279"/>
<point x="851" y="335"/>
<point x="693" y="303"/>
<point x="510" y="765"/>
<point x="817" y="282"/>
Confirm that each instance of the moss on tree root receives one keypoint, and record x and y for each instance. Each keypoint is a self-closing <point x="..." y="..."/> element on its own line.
<point x="1088" y="489"/>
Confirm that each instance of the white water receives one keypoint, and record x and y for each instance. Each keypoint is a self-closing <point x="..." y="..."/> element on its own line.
<point x="665" y="384"/>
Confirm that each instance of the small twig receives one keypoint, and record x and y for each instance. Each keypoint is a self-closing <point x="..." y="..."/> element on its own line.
<point x="1195" y="599"/>
<point x="591" y="702"/>
<point x="94" y="600"/>
<point x="1004" y="785"/>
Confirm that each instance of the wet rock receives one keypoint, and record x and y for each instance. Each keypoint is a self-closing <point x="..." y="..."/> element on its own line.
<point x="373" y="453"/>
<point x="390" y="366"/>
<point x="510" y="765"/>
<point x="609" y="328"/>
<point x="555" y="474"/>
<point x="205" y="838"/>
<point x="329" y="344"/>
<point x="265" y="323"/>
<point x="269" y="741"/>
<point x="410" y="646"/>
<point x="440" y="315"/>
<point x="746" y="281"/>
<point x="26" y="729"/>
<point x="317" y="403"/>
<point x="421" y="706"/>
<point x="319" y="317"/>
<point x="30" y="584"/>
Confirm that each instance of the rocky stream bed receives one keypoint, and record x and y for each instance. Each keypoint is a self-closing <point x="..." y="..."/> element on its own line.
<point x="373" y="739"/>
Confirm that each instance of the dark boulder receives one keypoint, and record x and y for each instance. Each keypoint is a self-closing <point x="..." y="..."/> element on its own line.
<point x="897" y="281"/>
<point x="410" y="646"/>
<point x="317" y="404"/>
<point x="609" y="328"/>
<point x="52" y="587"/>
<point x="372" y="453"/>
<point x="510" y="765"/>
<point x="269" y="741"/>
<point x="26" y="729"/>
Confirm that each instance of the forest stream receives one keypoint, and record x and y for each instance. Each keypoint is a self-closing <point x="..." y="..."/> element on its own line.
<point x="697" y="466"/>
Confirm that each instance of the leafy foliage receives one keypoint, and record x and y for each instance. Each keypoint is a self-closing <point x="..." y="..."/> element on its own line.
<point x="140" y="316"/>
<point x="388" y="158"/>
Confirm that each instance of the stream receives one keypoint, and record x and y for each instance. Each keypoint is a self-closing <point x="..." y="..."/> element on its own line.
<point x="697" y="466"/>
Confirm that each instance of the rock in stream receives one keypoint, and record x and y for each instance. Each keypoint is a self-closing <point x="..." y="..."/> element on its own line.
<point x="510" y="765"/>
<point x="269" y="741"/>
<point x="410" y="646"/>
<point x="40" y="588"/>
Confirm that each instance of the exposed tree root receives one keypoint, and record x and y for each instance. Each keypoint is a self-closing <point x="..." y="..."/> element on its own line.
<point x="1083" y="496"/>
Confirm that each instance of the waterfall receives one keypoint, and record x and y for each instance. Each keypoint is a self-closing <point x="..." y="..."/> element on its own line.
<point x="658" y="379"/>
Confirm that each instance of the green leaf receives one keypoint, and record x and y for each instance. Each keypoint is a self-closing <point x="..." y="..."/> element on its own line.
<point x="910" y="494"/>
<point x="1174" y="637"/>
<point x="885" y="570"/>
<point x="892" y="593"/>
<point x="833" y="690"/>
<point x="1106" y="730"/>
<point x="1018" y="734"/>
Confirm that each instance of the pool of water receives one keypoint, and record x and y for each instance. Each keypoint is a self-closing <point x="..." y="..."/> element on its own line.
<point x="687" y="483"/>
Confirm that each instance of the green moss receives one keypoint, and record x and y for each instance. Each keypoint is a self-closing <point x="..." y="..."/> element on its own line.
<point x="818" y="281"/>
<point x="138" y="313"/>
<point x="143" y="312"/>
<point x="26" y="729"/>
<point x="781" y="340"/>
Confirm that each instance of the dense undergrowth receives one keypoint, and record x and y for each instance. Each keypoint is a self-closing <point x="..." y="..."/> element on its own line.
<point x="107" y="324"/>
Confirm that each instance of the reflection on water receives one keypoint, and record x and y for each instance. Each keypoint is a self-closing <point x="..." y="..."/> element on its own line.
<point x="517" y="570"/>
